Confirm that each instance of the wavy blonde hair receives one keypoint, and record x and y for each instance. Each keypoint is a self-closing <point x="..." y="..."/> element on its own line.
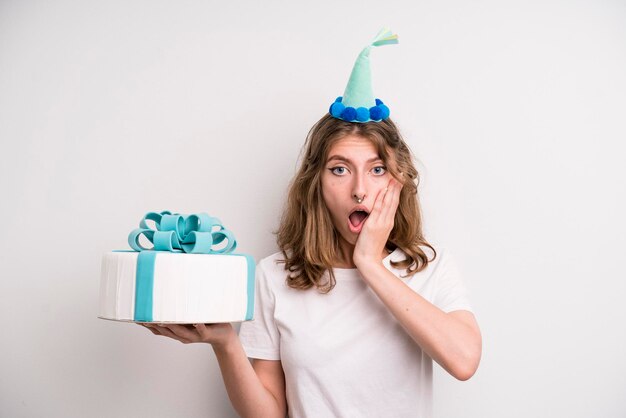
<point x="306" y="235"/>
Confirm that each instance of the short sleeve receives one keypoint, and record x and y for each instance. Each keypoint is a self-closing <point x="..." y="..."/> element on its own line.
<point x="450" y="293"/>
<point x="260" y="337"/>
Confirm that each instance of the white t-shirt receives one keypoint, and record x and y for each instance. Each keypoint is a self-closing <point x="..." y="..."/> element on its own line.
<point x="343" y="353"/>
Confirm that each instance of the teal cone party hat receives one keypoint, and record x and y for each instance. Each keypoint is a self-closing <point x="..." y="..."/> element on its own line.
<point x="358" y="103"/>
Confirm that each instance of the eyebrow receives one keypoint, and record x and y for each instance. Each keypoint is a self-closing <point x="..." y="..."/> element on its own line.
<point x="347" y="160"/>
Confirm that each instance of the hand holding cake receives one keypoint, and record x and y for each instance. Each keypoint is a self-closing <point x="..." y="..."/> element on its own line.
<point x="215" y="334"/>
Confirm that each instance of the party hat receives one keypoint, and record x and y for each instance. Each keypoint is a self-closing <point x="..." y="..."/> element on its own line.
<point x="358" y="103"/>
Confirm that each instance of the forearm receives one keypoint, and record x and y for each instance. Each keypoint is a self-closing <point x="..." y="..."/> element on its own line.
<point x="245" y="390"/>
<point x="450" y="341"/>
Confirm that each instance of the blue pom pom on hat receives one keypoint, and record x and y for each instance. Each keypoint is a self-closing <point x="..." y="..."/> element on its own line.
<point x="358" y="103"/>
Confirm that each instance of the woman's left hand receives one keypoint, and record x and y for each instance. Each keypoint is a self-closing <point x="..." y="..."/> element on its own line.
<point x="378" y="225"/>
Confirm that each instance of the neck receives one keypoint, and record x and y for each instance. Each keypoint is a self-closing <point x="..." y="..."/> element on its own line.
<point x="346" y="251"/>
<point x="344" y="255"/>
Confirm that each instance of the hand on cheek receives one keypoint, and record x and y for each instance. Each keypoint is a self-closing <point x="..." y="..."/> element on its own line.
<point x="378" y="225"/>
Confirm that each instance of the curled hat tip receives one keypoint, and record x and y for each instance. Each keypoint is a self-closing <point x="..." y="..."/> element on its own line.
<point x="385" y="37"/>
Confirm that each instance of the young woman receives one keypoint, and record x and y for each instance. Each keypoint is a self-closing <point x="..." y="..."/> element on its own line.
<point x="351" y="312"/>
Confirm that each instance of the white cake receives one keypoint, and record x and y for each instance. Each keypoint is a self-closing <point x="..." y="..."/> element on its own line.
<point x="174" y="287"/>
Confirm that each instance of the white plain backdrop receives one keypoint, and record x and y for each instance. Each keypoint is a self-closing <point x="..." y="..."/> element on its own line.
<point x="515" y="111"/>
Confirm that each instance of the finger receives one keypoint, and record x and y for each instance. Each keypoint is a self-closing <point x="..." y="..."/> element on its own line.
<point x="393" y="201"/>
<point x="397" y="189"/>
<point x="144" y="325"/>
<point x="150" y="328"/>
<point x="388" y="192"/>
<point x="155" y="331"/>
<point x="208" y="332"/>
<point x="183" y="332"/>
<point x="203" y="330"/>
<point x="378" y="205"/>
<point x="397" y="192"/>
<point x="165" y="331"/>
<point x="387" y="208"/>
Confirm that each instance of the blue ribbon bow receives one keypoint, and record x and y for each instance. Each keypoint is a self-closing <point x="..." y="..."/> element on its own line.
<point x="196" y="234"/>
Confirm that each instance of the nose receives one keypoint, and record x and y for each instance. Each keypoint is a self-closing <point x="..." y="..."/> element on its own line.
<point x="359" y="186"/>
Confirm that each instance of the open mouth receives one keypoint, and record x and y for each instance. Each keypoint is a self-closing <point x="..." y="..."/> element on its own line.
<point x="357" y="218"/>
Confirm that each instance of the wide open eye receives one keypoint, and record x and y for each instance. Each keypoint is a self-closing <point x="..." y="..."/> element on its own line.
<point x="339" y="171"/>
<point x="380" y="170"/>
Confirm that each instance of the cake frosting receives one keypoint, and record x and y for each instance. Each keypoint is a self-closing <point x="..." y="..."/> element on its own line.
<point x="189" y="275"/>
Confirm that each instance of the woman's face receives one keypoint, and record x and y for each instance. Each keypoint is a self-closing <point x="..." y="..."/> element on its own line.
<point x="353" y="169"/>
